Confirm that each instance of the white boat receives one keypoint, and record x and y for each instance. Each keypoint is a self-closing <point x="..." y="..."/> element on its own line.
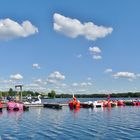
<point x="97" y="104"/>
<point x="37" y="103"/>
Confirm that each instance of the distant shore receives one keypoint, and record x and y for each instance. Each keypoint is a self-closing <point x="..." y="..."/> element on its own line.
<point x="112" y="95"/>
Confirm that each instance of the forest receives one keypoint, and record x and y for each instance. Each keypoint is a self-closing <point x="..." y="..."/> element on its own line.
<point x="53" y="94"/>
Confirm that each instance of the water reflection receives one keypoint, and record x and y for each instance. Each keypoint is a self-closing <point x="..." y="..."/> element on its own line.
<point x="15" y="114"/>
<point x="38" y="112"/>
<point x="83" y="123"/>
<point x="98" y="109"/>
<point x="76" y="110"/>
<point x="1" y="113"/>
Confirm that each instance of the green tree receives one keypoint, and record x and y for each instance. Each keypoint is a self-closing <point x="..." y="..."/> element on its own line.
<point x="52" y="94"/>
<point x="11" y="92"/>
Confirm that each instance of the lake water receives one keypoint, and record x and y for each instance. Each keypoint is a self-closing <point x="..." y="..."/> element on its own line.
<point x="118" y="123"/>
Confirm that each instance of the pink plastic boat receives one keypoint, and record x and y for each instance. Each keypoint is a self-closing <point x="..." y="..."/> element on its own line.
<point x="15" y="106"/>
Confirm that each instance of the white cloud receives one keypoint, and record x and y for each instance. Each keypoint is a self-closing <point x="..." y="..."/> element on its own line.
<point x="35" y="87"/>
<point x="86" y="84"/>
<point x="36" y="66"/>
<point x="89" y="78"/>
<point x="10" y="29"/>
<point x="89" y="84"/>
<point x="83" y="84"/>
<point x="138" y="75"/>
<point x="51" y="81"/>
<point x="74" y="28"/>
<point x="94" y="50"/>
<point x="79" y="55"/>
<point x="108" y="70"/>
<point x="97" y="57"/>
<point x="16" y="77"/>
<point x="63" y="85"/>
<point x="75" y="84"/>
<point x="56" y="75"/>
<point x="38" y="81"/>
<point x="128" y="75"/>
<point x="55" y="78"/>
<point x="32" y="85"/>
<point x="80" y="90"/>
<point x="7" y="81"/>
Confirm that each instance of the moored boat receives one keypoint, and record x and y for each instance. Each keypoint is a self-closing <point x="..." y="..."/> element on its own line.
<point x="73" y="104"/>
<point x="36" y="103"/>
<point x="16" y="106"/>
<point x="120" y="103"/>
<point x="86" y="104"/>
<point x="98" y="104"/>
<point x="1" y="106"/>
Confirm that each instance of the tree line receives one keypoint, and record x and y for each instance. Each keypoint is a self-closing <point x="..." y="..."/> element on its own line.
<point x="11" y="92"/>
<point x="112" y="95"/>
<point x="53" y="94"/>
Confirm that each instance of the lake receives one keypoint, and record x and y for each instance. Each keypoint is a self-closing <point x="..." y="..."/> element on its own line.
<point x="116" y="123"/>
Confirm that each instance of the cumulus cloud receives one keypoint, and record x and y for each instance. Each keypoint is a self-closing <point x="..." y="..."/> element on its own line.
<point x="86" y="84"/>
<point x="94" y="50"/>
<point x="128" y="75"/>
<point x="7" y="81"/>
<point x="75" y="84"/>
<point x="51" y="81"/>
<point x="16" y="77"/>
<point x="56" y="75"/>
<point x="83" y="84"/>
<point x="74" y="28"/>
<point x="39" y="81"/>
<point x="108" y="70"/>
<point x="36" y="66"/>
<point x="10" y="29"/>
<point x="63" y="85"/>
<point x="35" y="87"/>
<point x="32" y="85"/>
<point x="97" y="57"/>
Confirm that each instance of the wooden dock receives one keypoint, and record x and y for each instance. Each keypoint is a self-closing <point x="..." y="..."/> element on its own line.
<point x="53" y="105"/>
<point x="49" y="105"/>
<point x="34" y="105"/>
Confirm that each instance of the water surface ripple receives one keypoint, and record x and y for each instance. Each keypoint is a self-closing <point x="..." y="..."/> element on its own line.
<point x="116" y="123"/>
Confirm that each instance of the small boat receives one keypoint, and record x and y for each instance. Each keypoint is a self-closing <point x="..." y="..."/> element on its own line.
<point x="120" y="103"/>
<point x="73" y="104"/>
<point x="97" y="104"/>
<point x="136" y="103"/>
<point x="34" y="103"/>
<point x="129" y="103"/>
<point x="1" y="106"/>
<point x="109" y="103"/>
<point x="86" y="104"/>
<point x="16" y="106"/>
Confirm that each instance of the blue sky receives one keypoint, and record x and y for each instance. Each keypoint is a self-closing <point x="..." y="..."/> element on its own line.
<point x="88" y="46"/>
